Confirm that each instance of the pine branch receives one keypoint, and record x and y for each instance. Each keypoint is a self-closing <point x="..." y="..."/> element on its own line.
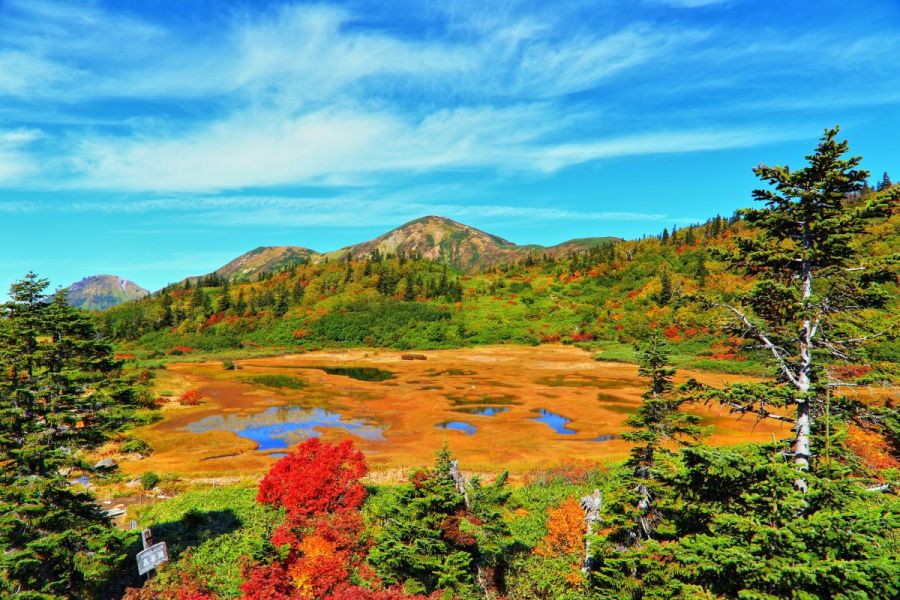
<point x="760" y="411"/>
<point x="755" y="331"/>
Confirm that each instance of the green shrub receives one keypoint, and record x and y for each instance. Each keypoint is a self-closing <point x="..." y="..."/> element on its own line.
<point x="133" y="444"/>
<point x="149" y="480"/>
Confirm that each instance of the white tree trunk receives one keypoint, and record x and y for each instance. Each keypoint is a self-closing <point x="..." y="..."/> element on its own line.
<point x="802" y="426"/>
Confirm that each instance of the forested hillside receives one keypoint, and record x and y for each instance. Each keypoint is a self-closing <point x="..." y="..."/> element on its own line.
<point x="607" y="297"/>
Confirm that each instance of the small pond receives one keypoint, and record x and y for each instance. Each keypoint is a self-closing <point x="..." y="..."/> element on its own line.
<point x="466" y="428"/>
<point x="360" y="373"/>
<point x="280" y="427"/>
<point x="554" y="421"/>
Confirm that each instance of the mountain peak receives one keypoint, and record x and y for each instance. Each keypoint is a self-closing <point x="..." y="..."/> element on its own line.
<point x="264" y="259"/>
<point x="98" y="292"/>
<point x="437" y="238"/>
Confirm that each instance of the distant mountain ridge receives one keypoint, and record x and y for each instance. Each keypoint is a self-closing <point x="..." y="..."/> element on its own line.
<point x="99" y="292"/>
<point x="436" y="238"/>
<point x="263" y="260"/>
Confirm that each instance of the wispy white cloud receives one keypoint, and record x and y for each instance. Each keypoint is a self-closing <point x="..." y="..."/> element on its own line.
<point x="662" y="142"/>
<point x="387" y="210"/>
<point x="15" y="160"/>
<point x="313" y="94"/>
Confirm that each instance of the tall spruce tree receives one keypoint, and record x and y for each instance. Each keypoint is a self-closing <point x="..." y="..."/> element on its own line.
<point x="701" y="271"/>
<point x="810" y="280"/>
<point x="665" y="288"/>
<point x="658" y="420"/>
<point x="61" y="392"/>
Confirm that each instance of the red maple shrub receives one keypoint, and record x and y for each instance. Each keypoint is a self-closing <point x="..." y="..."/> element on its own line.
<point x="581" y="336"/>
<point x="268" y="582"/>
<point x="322" y="541"/>
<point x="190" y="398"/>
<point x="672" y="333"/>
<point x="316" y="478"/>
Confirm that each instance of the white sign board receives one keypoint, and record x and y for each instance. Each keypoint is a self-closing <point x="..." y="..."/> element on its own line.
<point x="152" y="557"/>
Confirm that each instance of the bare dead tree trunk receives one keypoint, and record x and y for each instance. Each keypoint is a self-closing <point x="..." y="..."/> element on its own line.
<point x="460" y="481"/>
<point x="591" y="506"/>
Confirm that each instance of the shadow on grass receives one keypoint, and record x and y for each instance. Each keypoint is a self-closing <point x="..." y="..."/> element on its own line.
<point x="193" y="529"/>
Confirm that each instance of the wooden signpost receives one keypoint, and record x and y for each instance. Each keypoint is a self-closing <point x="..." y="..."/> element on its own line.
<point x="152" y="555"/>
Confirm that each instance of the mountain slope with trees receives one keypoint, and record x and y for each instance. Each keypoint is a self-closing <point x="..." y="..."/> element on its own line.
<point x="606" y="298"/>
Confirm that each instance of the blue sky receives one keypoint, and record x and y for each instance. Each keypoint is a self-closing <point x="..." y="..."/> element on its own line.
<point x="157" y="139"/>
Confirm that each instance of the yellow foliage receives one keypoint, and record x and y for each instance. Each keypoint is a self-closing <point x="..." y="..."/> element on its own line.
<point x="565" y="530"/>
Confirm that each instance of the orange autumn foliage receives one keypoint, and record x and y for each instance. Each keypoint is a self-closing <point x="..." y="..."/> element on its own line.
<point x="872" y="448"/>
<point x="565" y="530"/>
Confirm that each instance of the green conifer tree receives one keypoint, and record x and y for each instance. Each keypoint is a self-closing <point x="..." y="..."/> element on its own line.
<point x="665" y="290"/>
<point x="811" y="279"/>
<point x="442" y="532"/>
<point x="61" y="393"/>
<point x="659" y="419"/>
<point x="224" y="302"/>
<point x="701" y="271"/>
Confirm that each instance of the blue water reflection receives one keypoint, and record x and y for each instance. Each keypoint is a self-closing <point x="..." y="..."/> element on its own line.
<point x="556" y="422"/>
<point x="280" y="427"/>
<point x="468" y="428"/>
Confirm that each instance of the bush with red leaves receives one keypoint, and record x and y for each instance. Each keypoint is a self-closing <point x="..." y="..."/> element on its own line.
<point x="269" y="582"/>
<point x="190" y="398"/>
<point x="316" y="478"/>
<point x="322" y="534"/>
<point x="581" y="337"/>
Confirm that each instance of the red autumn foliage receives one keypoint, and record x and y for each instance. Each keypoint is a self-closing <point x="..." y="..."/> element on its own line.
<point x="850" y="372"/>
<point x="553" y="338"/>
<point x="176" y="350"/>
<point x="581" y="337"/>
<point x="300" y="334"/>
<point x="268" y="582"/>
<point x="632" y="294"/>
<point x="190" y="398"/>
<point x="728" y="350"/>
<point x="672" y="333"/>
<point x="216" y="318"/>
<point x="192" y="590"/>
<point x="316" y="478"/>
<point x="318" y="485"/>
<point x="452" y="533"/>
